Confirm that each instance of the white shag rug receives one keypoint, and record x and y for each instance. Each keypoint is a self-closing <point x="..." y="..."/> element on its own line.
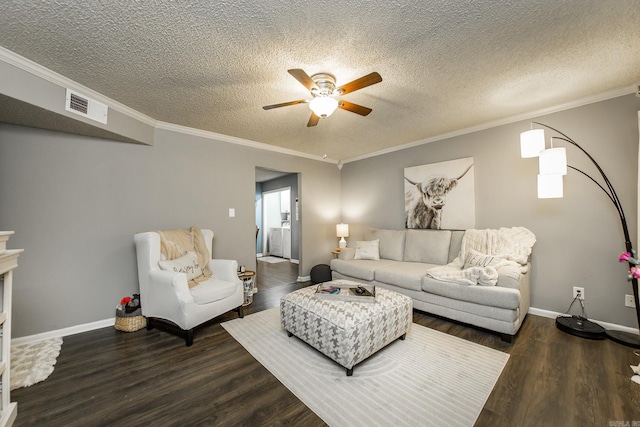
<point x="272" y="259"/>
<point x="33" y="362"/>
<point x="429" y="379"/>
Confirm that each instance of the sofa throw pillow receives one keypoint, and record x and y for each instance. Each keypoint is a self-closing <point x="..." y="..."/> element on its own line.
<point x="187" y="264"/>
<point x="477" y="259"/>
<point x="368" y="249"/>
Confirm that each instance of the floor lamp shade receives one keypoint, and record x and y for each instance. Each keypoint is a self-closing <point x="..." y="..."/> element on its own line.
<point x="342" y="231"/>
<point x="531" y="143"/>
<point x="550" y="186"/>
<point x="553" y="161"/>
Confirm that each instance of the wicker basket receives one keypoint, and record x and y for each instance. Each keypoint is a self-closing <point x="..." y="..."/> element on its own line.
<point x="130" y="322"/>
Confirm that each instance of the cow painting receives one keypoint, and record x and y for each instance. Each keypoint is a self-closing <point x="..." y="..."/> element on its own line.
<point x="426" y="198"/>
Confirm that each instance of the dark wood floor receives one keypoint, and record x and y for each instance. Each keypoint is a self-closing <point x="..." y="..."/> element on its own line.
<point x="272" y="275"/>
<point x="150" y="378"/>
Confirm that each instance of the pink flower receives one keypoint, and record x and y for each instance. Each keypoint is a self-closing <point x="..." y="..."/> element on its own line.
<point x="634" y="272"/>
<point x="624" y="257"/>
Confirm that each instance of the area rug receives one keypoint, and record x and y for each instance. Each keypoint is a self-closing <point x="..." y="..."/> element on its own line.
<point x="33" y="362"/>
<point x="272" y="259"/>
<point x="429" y="379"/>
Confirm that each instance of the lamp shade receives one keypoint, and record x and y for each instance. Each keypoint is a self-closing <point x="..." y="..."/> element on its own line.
<point x="342" y="230"/>
<point x="553" y="161"/>
<point x="531" y="143"/>
<point x="550" y="186"/>
<point x="323" y="106"/>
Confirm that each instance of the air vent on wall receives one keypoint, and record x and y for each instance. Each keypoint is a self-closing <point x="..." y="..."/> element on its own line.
<point x="84" y="106"/>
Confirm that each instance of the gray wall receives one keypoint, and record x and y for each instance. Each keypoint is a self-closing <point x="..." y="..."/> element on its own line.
<point x="75" y="203"/>
<point x="28" y="99"/>
<point x="579" y="237"/>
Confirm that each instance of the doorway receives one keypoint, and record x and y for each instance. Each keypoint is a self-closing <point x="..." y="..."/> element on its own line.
<point x="276" y="221"/>
<point x="278" y="226"/>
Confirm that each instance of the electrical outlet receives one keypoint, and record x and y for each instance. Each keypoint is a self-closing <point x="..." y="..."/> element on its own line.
<point x="629" y="301"/>
<point x="578" y="292"/>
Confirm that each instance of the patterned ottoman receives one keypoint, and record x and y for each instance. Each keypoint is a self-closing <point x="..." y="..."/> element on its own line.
<point x="347" y="332"/>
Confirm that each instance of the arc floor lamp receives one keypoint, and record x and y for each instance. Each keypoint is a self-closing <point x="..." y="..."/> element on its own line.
<point x="553" y="166"/>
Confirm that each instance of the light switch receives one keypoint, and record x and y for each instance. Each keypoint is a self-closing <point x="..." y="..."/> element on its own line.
<point x="232" y="212"/>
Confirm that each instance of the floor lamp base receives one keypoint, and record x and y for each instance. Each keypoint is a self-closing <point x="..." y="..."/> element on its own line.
<point x="625" y="338"/>
<point x="580" y="327"/>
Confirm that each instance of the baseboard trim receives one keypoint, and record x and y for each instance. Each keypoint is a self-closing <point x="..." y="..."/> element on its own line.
<point x="86" y="327"/>
<point x="303" y="279"/>
<point x="606" y="325"/>
<point x="294" y="261"/>
<point x="65" y="332"/>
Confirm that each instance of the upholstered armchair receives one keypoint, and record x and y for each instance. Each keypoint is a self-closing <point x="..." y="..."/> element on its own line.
<point x="166" y="295"/>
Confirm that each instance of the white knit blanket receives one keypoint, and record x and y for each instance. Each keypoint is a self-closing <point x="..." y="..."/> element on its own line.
<point x="513" y="245"/>
<point x="483" y="276"/>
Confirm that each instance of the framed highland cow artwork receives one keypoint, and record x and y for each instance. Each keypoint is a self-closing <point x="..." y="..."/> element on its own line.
<point x="440" y="195"/>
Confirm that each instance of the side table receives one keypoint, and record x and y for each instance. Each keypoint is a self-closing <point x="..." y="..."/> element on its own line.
<point x="249" y="282"/>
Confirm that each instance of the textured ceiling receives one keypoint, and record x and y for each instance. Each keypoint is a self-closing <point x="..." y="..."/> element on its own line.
<point x="446" y="64"/>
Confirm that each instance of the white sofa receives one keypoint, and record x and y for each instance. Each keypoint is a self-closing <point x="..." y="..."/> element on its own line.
<point x="406" y="256"/>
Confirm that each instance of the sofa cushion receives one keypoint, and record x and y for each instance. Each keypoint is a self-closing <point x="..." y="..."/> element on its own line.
<point x="359" y="269"/>
<point x="509" y="276"/>
<point x="493" y="296"/>
<point x="456" y="244"/>
<point x="347" y="253"/>
<point x="430" y="246"/>
<point x="212" y="290"/>
<point x="391" y="242"/>
<point x="407" y="275"/>
<point x="367" y="250"/>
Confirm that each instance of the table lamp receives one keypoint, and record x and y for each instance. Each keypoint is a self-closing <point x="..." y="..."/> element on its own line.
<point x="342" y="231"/>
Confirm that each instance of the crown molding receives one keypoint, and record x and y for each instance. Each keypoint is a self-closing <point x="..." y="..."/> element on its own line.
<point x="38" y="70"/>
<point x="238" y="141"/>
<point x="501" y="122"/>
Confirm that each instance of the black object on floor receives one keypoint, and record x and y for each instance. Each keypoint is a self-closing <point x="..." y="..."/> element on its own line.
<point x="580" y="327"/>
<point x="320" y="273"/>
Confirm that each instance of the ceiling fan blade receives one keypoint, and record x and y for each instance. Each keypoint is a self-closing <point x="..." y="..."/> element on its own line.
<point x="313" y="120"/>
<point x="303" y="78"/>
<point x="285" y="104"/>
<point x="354" y="108"/>
<point x="368" y="80"/>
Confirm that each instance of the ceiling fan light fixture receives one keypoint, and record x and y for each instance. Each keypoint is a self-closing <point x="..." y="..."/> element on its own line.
<point x="323" y="106"/>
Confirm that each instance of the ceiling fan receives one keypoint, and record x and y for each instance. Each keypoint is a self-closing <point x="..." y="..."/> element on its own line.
<point x="325" y="93"/>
